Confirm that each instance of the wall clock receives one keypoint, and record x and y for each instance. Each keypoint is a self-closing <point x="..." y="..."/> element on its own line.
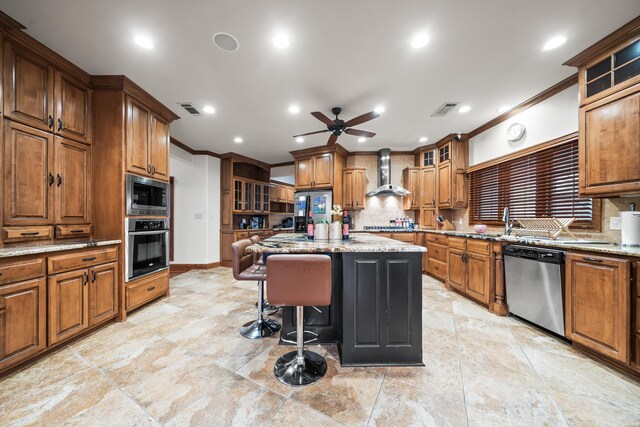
<point x="515" y="132"/>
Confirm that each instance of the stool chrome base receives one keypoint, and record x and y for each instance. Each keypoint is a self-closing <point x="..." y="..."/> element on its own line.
<point x="289" y="372"/>
<point x="260" y="329"/>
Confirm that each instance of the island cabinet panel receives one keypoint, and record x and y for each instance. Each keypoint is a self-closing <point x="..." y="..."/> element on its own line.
<point x="23" y="317"/>
<point x="381" y="309"/>
<point x="597" y="313"/>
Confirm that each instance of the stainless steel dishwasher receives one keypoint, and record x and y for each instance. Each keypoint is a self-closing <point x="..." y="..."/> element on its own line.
<point x="534" y="278"/>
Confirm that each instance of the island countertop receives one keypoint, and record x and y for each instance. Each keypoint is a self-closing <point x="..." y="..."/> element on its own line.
<point x="292" y="243"/>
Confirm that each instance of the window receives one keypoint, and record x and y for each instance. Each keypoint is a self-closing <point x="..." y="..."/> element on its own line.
<point x="542" y="184"/>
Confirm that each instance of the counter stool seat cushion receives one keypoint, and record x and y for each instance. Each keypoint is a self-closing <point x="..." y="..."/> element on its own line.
<point x="299" y="280"/>
<point x="243" y="266"/>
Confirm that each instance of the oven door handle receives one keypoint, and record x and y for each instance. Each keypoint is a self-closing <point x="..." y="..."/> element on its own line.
<point x="144" y="233"/>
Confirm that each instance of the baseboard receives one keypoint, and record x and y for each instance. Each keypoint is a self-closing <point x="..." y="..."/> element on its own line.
<point x="175" y="269"/>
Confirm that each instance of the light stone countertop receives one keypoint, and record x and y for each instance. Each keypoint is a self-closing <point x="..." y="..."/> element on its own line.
<point x="14" y="251"/>
<point x="291" y="243"/>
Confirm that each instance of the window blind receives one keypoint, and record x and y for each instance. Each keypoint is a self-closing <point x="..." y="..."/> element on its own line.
<point x="542" y="184"/>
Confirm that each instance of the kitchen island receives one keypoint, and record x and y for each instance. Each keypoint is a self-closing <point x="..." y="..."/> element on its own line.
<point x="375" y="315"/>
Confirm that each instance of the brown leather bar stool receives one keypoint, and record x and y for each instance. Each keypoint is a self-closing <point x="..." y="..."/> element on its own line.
<point x="299" y="280"/>
<point x="267" y="309"/>
<point x="245" y="269"/>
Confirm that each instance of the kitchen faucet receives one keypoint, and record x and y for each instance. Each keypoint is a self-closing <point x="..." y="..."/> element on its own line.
<point x="508" y="226"/>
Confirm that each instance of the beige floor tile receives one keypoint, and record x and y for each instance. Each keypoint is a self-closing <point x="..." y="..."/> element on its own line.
<point x="506" y="358"/>
<point x="260" y="368"/>
<point x="118" y="410"/>
<point x="480" y="418"/>
<point x="399" y="404"/>
<point x="295" y="414"/>
<point x="439" y="341"/>
<point x="234" y="402"/>
<point x="483" y="330"/>
<point x="345" y="394"/>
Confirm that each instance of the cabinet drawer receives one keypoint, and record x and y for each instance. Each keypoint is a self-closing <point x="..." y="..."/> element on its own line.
<point x="437" y="252"/>
<point x="479" y="246"/>
<point x="19" y="234"/>
<point x="438" y="269"/>
<point x="148" y="288"/>
<point x="457" y="243"/>
<point x="437" y="238"/>
<point x="16" y="270"/>
<point x="60" y="263"/>
<point x="69" y="231"/>
<point x="242" y="235"/>
<point x="404" y="237"/>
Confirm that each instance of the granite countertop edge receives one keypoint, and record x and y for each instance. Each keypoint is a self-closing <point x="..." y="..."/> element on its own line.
<point x="16" y="251"/>
<point x="294" y="243"/>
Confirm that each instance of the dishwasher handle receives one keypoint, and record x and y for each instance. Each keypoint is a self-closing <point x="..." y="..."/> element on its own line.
<point x="535" y="254"/>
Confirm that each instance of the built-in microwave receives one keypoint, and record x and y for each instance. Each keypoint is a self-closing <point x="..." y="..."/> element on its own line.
<point x="146" y="196"/>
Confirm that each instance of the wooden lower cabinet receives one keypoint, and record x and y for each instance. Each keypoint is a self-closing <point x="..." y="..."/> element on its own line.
<point x="227" y="238"/>
<point x="103" y="293"/>
<point x="145" y="289"/>
<point x="470" y="267"/>
<point x="437" y="254"/>
<point x="23" y="319"/>
<point x="457" y="271"/>
<point x="68" y="297"/>
<point x="598" y="304"/>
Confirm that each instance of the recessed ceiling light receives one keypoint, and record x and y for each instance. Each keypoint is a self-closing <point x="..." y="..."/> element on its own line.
<point x="294" y="109"/>
<point x="554" y="42"/>
<point x="143" y="41"/>
<point x="379" y="109"/>
<point x="208" y="109"/>
<point x="423" y="139"/>
<point x="420" y="40"/>
<point x="281" y="41"/>
<point x="464" y="109"/>
<point x="503" y="109"/>
<point x="237" y="140"/>
<point x="362" y="139"/>
<point x="300" y="139"/>
<point x="226" y="42"/>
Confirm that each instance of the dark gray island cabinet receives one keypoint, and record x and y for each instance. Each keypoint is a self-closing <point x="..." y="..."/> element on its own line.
<point x="375" y="315"/>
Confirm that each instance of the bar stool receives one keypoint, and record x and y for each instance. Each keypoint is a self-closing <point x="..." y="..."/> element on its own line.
<point x="267" y="309"/>
<point x="299" y="280"/>
<point x="244" y="269"/>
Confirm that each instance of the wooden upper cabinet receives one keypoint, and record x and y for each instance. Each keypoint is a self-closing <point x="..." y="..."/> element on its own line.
<point x="72" y="182"/>
<point x="73" y="108"/>
<point x="290" y="194"/>
<point x="323" y="171"/>
<point x="304" y="173"/>
<point x="428" y="187"/>
<point x="348" y="178"/>
<point x="428" y="218"/>
<point x="68" y="299"/>
<point x="103" y="293"/>
<point x="354" y="187"/>
<point x="28" y="87"/>
<point x="444" y="185"/>
<point x="597" y="304"/>
<point x="282" y="193"/>
<point x="609" y="145"/>
<point x="159" y="149"/>
<point x="23" y="320"/>
<point x="28" y="175"/>
<point x="411" y="181"/>
<point x="138" y="121"/>
<point x="273" y="192"/>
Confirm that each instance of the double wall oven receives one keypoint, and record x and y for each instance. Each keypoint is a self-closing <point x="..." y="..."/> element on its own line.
<point x="146" y="226"/>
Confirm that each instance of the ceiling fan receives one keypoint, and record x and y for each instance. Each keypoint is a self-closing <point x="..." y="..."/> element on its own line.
<point x="337" y="126"/>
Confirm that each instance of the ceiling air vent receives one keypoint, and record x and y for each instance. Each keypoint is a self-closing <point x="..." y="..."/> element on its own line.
<point x="190" y="108"/>
<point x="444" y="109"/>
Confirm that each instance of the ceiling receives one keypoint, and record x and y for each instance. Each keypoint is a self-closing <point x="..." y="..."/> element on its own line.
<point x="355" y="55"/>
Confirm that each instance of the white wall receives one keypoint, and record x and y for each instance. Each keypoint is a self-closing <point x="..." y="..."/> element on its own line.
<point x="554" y="117"/>
<point x="196" y="208"/>
<point x="284" y="174"/>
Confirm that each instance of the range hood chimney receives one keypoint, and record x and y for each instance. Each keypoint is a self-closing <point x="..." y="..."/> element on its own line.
<point x="385" y="188"/>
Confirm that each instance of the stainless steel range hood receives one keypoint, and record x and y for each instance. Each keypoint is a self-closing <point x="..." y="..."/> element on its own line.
<point x="385" y="188"/>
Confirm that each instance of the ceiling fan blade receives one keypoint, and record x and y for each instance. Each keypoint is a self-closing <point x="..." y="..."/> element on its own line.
<point x="324" y="119"/>
<point x="332" y="139"/>
<point x="311" y="133"/>
<point x="361" y="119"/>
<point x="357" y="132"/>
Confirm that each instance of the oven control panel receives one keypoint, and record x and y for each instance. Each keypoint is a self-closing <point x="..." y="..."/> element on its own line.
<point x="147" y="224"/>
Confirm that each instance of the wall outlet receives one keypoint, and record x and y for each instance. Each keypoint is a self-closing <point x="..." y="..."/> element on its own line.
<point x="198" y="215"/>
<point x="615" y="223"/>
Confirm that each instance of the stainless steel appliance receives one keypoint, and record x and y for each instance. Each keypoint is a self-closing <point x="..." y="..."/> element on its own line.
<point x="534" y="279"/>
<point x="385" y="188"/>
<point x="319" y="203"/>
<point x="146" y="246"/>
<point x="146" y="196"/>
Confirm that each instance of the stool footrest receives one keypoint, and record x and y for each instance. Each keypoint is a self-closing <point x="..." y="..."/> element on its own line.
<point x="314" y="337"/>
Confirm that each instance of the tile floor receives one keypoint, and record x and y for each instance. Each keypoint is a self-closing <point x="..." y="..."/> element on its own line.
<point x="180" y="361"/>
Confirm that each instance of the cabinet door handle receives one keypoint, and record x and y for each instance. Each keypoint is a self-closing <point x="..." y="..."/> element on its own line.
<point x="151" y="288"/>
<point x="76" y="231"/>
<point x="59" y="179"/>
<point x="148" y="168"/>
<point x="153" y="170"/>
<point x="93" y="276"/>
<point x="50" y="122"/>
<point x="91" y="258"/>
<point x="50" y="179"/>
<point x="592" y="259"/>
<point x="60" y="125"/>
<point x="30" y="233"/>
<point x="86" y="278"/>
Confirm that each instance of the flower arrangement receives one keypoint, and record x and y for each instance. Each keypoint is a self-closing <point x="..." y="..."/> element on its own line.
<point x="336" y="213"/>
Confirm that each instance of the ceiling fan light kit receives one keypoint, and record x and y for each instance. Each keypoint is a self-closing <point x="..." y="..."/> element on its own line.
<point x="338" y="126"/>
